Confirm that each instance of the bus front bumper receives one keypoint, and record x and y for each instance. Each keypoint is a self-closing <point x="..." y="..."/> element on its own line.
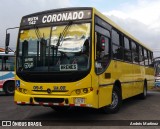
<point x="87" y="100"/>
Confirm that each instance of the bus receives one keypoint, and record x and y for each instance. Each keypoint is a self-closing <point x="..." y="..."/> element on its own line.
<point x="157" y="71"/>
<point x="77" y="57"/>
<point x="7" y="83"/>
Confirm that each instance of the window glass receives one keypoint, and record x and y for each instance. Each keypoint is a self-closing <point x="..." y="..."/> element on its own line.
<point x="115" y="37"/>
<point x="8" y="63"/>
<point x="135" y="53"/>
<point x="127" y="50"/>
<point x="141" y="55"/>
<point x="134" y="46"/>
<point x="149" y="57"/>
<point x="102" y="53"/>
<point x="33" y="49"/>
<point x="127" y="55"/>
<point x="117" y="52"/>
<point x="62" y="48"/>
<point x="126" y="43"/>
<point x="146" y="56"/>
<point x="102" y="31"/>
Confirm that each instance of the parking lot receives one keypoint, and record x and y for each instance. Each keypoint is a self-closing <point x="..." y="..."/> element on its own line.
<point x="132" y="109"/>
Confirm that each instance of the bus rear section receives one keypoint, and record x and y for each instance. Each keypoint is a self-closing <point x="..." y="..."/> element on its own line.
<point x="157" y="71"/>
<point x="7" y="84"/>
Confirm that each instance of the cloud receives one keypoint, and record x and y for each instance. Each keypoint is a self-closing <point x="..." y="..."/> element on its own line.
<point x="145" y="11"/>
<point x="141" y="20"/>
<point x="13" y="10"/>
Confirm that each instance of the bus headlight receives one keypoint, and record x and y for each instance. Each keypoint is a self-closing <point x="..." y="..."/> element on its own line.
<point x="78" y="91"/>
<point x="82" y="91"/>
<point x="24" y="91"/>
<point x="85" y="90"/>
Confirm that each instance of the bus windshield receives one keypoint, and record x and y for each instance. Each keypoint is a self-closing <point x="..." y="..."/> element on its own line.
<point x="54" y="49"/>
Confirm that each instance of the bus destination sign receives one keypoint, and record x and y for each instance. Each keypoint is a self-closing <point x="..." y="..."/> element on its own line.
<point x="56" y="17"/>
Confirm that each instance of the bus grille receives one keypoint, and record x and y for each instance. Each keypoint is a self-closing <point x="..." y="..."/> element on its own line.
<point x="49" y="100"/>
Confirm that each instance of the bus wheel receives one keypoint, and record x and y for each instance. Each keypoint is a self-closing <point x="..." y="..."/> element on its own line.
<point x="9" y="88"/>
<point x="116" y="102"/>
<point x="143" y="95"/>
<point x="60" y="109"/>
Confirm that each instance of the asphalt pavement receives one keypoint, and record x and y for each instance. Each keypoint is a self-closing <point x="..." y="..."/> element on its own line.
<point x="133" y="110"/>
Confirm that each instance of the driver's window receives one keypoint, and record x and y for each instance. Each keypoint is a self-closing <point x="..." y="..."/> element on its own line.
<point x="102" y="52"/>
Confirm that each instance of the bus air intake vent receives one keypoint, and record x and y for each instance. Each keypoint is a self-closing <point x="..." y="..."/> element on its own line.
<point x="49" y="100"/>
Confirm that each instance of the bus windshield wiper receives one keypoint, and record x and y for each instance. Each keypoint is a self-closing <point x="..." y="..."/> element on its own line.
<point x="62" y="35"/>
<point x="38" y="34"/>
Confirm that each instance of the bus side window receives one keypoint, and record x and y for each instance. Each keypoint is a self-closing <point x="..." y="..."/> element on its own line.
<point x="5" y="58"/>
<point x="135" y="52"/>
<point x="102" y="53"/>
<point x="117" y="45"/>
<point x="8" y="63"/>
<point x="150" y="59"/>
<point x="141" y="55"/>
<point x="146" y="57"/>
<point x="127" y="50"/>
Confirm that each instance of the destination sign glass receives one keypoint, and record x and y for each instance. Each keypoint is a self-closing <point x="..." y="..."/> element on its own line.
<point x="54" y="17"/>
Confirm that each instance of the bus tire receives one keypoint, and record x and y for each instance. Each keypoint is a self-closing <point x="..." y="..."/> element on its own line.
<point x="9" y="87"/>
<point x="60" y="108"/>
<point x="116" y="102"/>
<point x="143" y="95"/>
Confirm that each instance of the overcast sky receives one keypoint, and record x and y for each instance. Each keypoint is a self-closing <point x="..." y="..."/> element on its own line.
<point x="141" y="18"/>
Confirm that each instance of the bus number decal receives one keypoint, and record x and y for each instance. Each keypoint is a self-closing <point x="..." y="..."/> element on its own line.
<point x="62" y="88"/>
<point x="37" y="87"/>
<point x="68" y="67"/>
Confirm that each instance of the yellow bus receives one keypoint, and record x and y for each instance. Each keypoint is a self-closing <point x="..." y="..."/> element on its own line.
<point x="78" y="57"/>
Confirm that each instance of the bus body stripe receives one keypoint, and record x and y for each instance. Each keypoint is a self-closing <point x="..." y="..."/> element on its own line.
<point x="53" y="104"/>
<point x="7" y="76"/>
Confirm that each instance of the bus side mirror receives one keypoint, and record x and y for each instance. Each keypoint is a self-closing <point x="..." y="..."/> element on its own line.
<point x="7" y="39"/>
<point x="7" y="43"/>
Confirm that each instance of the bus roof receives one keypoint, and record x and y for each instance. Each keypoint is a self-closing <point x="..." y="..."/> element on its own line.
<point x="58" y="10"/>
<point x="118" y="28"/>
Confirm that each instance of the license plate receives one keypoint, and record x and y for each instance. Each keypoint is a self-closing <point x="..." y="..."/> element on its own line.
<point x="79" y="101"/>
